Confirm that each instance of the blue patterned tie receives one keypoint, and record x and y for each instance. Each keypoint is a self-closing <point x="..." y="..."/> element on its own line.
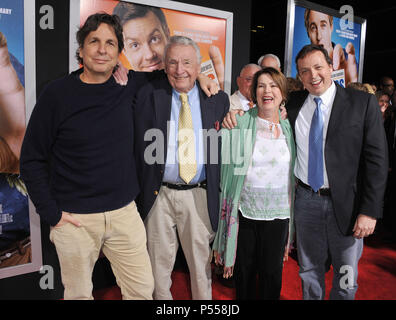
<point x="315" y="160"/>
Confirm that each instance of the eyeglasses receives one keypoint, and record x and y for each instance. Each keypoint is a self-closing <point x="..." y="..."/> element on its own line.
<point x="248" y="79"/>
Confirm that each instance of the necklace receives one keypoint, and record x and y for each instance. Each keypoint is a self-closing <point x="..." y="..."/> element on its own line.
<point x="272" y="127"/>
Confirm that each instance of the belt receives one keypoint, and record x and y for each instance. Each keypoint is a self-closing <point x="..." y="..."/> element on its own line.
<point x="182" y="186"/>
<point x="321" y="192"/>
<point x="19" y="247"/>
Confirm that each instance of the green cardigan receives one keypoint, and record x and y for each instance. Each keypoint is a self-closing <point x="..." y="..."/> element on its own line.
<point x="236" y="152"/>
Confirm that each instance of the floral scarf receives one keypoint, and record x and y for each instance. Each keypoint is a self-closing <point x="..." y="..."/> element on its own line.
<point x="236" y="152"/>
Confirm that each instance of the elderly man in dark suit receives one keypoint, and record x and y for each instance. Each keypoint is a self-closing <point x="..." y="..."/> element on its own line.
<point x="178" y="146"/>
<point x="341" y="169"/>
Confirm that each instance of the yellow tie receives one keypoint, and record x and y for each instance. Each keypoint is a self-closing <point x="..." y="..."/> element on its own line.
<point x="186" y="150"/>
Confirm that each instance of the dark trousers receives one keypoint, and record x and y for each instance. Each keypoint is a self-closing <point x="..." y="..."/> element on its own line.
<point x="260" y="250"/>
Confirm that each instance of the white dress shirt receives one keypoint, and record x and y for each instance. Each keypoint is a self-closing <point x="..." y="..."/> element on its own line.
<point x="302" y="128"/>
<point x="238" y="101"/>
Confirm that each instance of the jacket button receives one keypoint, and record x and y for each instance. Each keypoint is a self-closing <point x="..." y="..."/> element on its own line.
<point x="156" y="193"/>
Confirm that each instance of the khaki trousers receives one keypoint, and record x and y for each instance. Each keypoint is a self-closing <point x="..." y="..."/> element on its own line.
<point x="182" y="212"/>
<point x="120" y="234"/>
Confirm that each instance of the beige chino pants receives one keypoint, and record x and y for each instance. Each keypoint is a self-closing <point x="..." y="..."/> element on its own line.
<point x="182" y="212"/>
<point x="121" y="235"/>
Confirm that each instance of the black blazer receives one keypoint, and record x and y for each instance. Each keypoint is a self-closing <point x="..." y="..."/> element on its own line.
<point x="152" y="109"/>
<point x="355" y="154"/>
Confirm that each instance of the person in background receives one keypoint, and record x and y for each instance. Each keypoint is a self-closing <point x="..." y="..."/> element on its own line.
<point x="242" y="99"/>
<point x="383" y="101"/>
<point x="370" y="88"/>
<point x="269" y="60"/>
<point x="294" y="84"/>
<point x="257" y="195"/>
<point x="387" y="85"/>
<point x="357" y="86"/>
<point x="373" y="86"/>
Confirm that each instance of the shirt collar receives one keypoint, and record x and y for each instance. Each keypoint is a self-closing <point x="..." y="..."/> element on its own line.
<point x="327" y="96"/>
<point x="192" y="94"/>
<point x="242" y="97"/>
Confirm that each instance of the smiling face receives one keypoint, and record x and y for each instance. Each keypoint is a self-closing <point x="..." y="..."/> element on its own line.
<point x="100" y="54"/>
<point x="244" y="81"/>
<point x="182" y="67"/>
<point x="383" y="102"/>
<point x="319" y="30"/>
<point x="270" y="62"/>
<point x="315" y="73"/>
<point x="268" y="94"/>
<point x="145" y="41"/>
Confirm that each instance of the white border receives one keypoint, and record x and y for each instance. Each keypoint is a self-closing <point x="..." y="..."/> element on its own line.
<point x="179" y="6"/>
<point x="30" y="101"/>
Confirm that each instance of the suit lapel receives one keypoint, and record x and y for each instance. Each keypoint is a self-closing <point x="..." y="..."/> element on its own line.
<point x="208" y="120"/>
<point x="162" y="108"/>
<point x="340" y="104"/>
<point x="207" y="111"/>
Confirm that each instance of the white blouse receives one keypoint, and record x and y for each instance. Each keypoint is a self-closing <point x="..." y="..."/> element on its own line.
<point x="265" y="193"/>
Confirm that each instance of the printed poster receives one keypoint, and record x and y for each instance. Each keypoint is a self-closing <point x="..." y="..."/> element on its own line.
<point x="147" y="28"/>
<point x="15" y="222"/>
<point x="340" y="36"/>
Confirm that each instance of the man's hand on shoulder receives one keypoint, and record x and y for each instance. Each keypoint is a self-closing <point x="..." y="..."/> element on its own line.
<point x="230" y="121"/>
<point x="209" y="86"/>
<point x="121" y="75"/>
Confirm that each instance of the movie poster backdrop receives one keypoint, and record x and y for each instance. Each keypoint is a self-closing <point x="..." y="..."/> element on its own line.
<point x="146" y="37"/>
<point x="20" y="240"/>
<point x="339" y="32"/>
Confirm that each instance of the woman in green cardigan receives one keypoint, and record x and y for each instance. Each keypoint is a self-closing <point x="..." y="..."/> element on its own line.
<point x="257" y="192"/>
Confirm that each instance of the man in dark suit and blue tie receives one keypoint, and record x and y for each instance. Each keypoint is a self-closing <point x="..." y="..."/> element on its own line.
<point x="178" y="168"/>
<point x="341" y="170"/>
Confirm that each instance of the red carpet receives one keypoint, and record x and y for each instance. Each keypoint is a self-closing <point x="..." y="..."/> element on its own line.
<point x="377" y="278"/>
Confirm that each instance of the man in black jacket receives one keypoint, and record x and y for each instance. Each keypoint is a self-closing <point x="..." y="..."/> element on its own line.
<point x="341" y="170"/>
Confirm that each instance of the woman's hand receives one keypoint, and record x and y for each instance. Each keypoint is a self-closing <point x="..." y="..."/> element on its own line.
<point x="228" y="272"/>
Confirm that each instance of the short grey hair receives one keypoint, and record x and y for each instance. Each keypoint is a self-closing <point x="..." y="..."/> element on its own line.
<point x="185" y="41"/>
<point x="269" y="55"/>
<point x="248" y="66"/>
